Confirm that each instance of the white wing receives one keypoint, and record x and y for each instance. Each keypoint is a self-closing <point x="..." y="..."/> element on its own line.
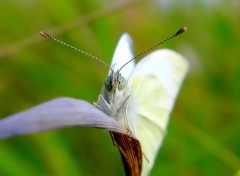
<point x="155" y="83"/>
<point x="58" y="113"/>
<point x="122" y="55"/>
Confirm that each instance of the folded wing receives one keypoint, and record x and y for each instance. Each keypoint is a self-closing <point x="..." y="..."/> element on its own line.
<point x="122" y="55"/>
<point x="155" y="83"/>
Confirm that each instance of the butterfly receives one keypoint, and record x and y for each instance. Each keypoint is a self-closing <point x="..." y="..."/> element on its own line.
<point x="134" y="105"/>
<point x="141" y="96"/>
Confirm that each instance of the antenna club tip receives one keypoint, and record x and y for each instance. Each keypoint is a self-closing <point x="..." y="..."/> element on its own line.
<point x="44" y="34"/>
<point x="181" y="30"/>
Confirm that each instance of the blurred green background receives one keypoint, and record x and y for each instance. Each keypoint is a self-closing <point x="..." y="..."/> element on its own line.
<point x="204" y="131"/>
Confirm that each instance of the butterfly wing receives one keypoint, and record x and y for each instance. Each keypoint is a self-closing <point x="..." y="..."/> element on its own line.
<point x="155" y="83"/>
<point x="122" y="55"/>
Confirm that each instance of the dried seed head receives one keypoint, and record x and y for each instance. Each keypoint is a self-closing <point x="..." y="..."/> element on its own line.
<point x="131" y="153"/>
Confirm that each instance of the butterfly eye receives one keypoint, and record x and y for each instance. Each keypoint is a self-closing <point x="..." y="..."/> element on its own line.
<point x="108" y="83"/>
<point x="122" y="83"/>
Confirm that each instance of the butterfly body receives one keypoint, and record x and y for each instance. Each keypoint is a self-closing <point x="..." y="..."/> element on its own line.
<point x="116" y="100"/>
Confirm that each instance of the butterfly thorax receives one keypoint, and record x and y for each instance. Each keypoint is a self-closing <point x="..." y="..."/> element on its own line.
<point x="114" y="98"/>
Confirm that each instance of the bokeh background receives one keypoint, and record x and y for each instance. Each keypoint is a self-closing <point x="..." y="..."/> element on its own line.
<point x="204" y="131"/>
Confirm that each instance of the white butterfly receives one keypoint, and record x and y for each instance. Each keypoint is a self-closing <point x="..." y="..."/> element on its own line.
<point x="136" y="101"/>
<point x="144" y="94"/>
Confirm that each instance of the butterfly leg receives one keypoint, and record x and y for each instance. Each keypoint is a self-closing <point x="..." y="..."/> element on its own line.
<point x="112" y="137"/>
<point x="103" y="105"/>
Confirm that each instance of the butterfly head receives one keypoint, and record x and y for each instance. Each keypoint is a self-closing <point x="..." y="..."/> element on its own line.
<point x="115" y="82"/>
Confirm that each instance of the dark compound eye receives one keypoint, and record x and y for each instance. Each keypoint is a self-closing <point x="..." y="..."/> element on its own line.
<point x="108" y="83"/>
<point x="122" y="83"/>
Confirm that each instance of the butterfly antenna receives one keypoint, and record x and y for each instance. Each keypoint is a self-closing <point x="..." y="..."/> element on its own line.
<point x="44" y="34"/>
<point x="180" y="31"/>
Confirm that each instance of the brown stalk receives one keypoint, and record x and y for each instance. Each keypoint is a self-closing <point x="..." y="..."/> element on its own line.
<point x="131" y="153"/>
